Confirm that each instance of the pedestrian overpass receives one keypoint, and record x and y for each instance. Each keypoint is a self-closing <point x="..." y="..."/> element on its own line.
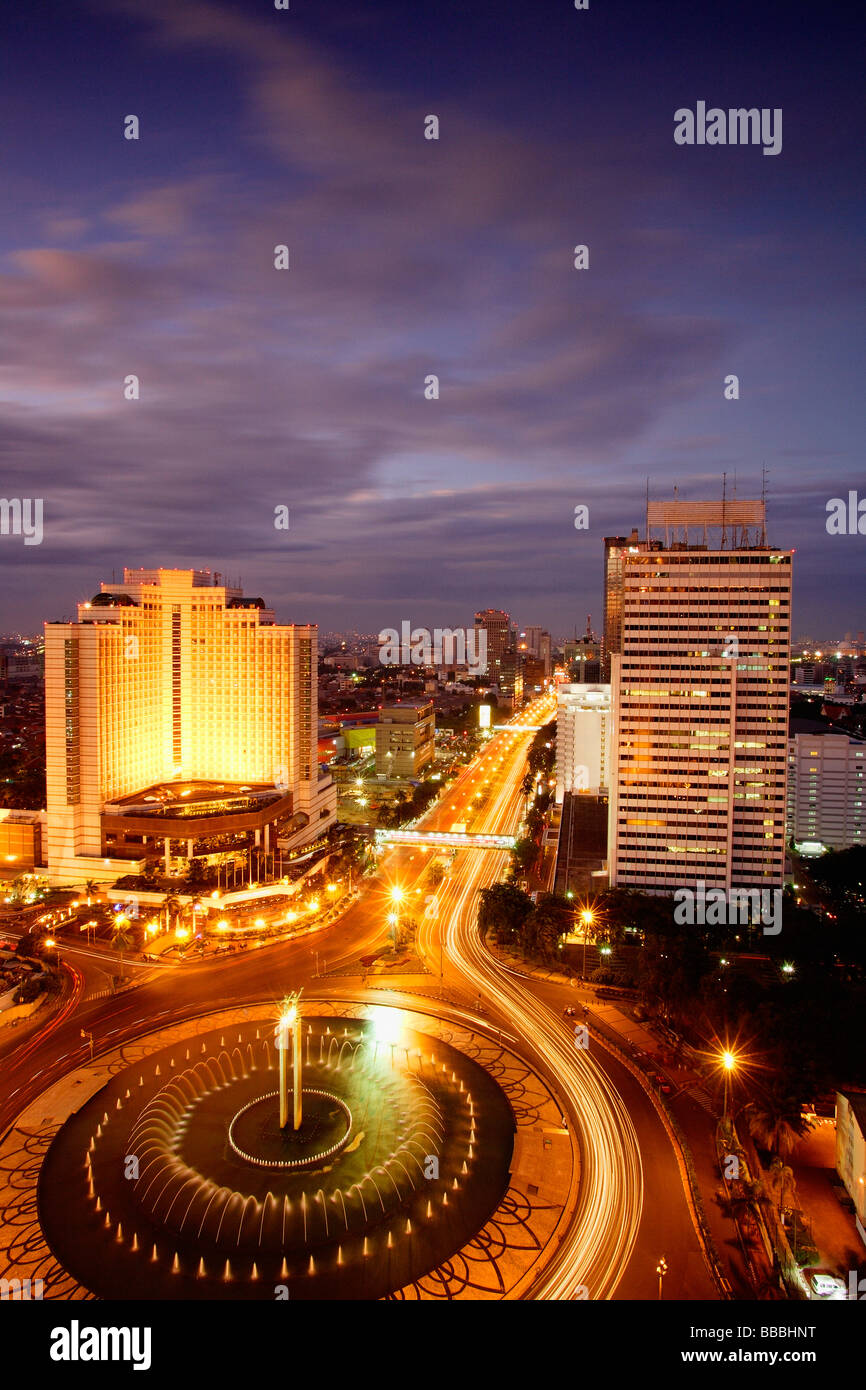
<point x="444" y="839"/>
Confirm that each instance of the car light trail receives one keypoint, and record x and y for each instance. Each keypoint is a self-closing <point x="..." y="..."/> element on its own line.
<point x="600" y="1237"/>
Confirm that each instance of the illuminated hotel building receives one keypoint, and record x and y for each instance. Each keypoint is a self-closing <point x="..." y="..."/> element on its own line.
<point x="700" y="704"/>
<point x="179" y="717"/>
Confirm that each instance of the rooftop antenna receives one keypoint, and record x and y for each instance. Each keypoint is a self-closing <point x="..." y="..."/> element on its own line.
<point x="646" y="524"/>
<point x="724" y="503"/>
<point x="764" y="505"/>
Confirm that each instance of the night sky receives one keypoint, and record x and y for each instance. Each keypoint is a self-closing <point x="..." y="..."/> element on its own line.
<point x="305" y="388"/>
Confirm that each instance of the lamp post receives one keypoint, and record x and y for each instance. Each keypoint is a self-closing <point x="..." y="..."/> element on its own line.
<point x="587" y="918"/>
<point x="661" y="1271"/>
<point x="729" y="1061"/>
<point x="397" y="896"/>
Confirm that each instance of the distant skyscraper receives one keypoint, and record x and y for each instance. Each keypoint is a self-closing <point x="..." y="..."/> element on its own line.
<point x="700" y="705"/>
<point x="176" y="709"/>
<point x="615" y="549"/>
<point x="497" y="626"/>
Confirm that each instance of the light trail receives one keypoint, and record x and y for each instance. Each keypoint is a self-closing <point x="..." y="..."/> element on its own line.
<point x="606" y="1202"/>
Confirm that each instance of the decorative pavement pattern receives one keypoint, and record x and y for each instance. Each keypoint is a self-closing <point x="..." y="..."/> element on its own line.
<point x="518" y="1236"/>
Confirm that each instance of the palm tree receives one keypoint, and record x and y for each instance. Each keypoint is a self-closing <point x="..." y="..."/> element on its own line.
<point x="171" y="904"/>
<point x="773" y="1128"/>
<point x="89" y="889"/>
<point x="781" y="1184"/>
<point x="121" y="937"/>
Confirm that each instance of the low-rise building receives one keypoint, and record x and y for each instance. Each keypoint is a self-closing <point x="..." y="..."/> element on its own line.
<point x="405" y="739"/>
<point x="851" y="1151"/>
<point x="583" y="730"/>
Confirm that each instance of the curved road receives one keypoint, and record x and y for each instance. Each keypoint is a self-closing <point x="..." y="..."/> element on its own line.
<point x="611" y="1239"/>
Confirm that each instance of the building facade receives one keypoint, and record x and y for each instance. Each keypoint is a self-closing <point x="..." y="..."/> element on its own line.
<point x="826" y="783"/>
<point x="851" y="1151"/>
<point x="405" y="740"/>
<point x="700" y="709"/>
<point x="176" y="709"/>
<point x="583" y="726"/>
<point x="615" y="550"/>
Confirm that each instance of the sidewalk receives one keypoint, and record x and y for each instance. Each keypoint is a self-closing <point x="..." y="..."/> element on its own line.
<point x="692" y="1109"/>
<point x="813" y="1162"/>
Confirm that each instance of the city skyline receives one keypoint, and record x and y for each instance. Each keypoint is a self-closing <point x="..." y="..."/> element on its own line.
<point x="433" y="703"/>
<point x="305" y="388"/>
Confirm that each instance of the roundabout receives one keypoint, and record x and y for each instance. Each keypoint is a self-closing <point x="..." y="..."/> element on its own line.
<point x="175" y="1180"/>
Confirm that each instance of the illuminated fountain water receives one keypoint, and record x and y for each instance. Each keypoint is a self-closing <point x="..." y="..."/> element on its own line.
<point x="371" y="1173"/>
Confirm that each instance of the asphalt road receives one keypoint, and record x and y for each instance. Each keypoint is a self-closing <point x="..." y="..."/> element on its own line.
<point x="630" y="1207"/>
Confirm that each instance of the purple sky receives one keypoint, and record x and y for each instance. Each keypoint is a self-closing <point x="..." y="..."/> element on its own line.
<point x="304" y="388"/>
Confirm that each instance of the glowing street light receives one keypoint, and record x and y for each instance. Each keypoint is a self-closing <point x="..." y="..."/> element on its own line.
<point x="728" y="1062"/>
<point x="661" y="1271"/>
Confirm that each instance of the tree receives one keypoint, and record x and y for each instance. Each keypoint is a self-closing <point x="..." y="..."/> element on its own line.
<point x="121" y="937"/>
<point x="503" y="908"/>
<point x="171" y="904"/>
<point x="781" y="1184"/>
<point x="523" y="856"/>
<point x="29" y="945"/>
<point x="775" y="1126"/>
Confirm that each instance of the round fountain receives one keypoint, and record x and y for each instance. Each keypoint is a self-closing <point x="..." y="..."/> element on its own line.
<point x="200" y="1173"/>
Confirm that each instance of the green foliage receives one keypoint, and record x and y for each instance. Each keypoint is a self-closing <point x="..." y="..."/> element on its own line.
<point x="29" y="946"/>
<point x="503" y="909"/>
<point x="523" y="856"/>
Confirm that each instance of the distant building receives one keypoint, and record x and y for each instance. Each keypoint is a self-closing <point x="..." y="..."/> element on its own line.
<point x="826" y="785"/>
<point x="511" y="678"/>
<point x="583" y="729"/>
<point x="177" y="710"/>
<point x="21" y="840"/>
<point x="499" y="635"/>
<point x="534" y="642"/>
<point x="583" y="661"/>
<point x="851" y="1151"/>
<point x="405" y="739"/>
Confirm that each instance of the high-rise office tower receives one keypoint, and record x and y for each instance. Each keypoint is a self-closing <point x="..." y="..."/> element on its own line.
<point x="700" y="703"/>
<point x="497" y="628"/>
<point x="615" y="550"/>
<point x="179" y="717"/>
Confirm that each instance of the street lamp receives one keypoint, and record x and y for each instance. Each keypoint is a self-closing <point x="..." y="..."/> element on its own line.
<point x="587" y="917"/>
<point x="661" y="1271"/>
<point x="728" y="1062"/>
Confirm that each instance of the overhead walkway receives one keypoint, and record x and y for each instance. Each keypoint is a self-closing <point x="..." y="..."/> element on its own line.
<point x="445" y="839"/>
